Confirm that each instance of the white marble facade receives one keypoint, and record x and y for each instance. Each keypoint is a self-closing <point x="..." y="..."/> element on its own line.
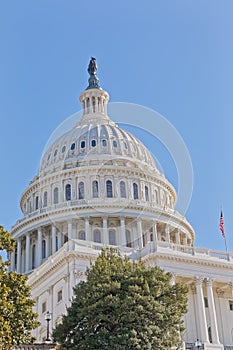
<point x="98" y="186"/>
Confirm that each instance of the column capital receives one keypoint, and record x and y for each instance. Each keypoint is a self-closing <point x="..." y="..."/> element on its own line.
<point x="198" y="280"/>
<point x="209" y="281"/>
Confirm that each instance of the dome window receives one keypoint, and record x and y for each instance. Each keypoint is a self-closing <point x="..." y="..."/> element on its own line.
<point x="93" y="143"/>
<point x="55" y="195"/>
<point x="112" y="237"/>
<point x="83" y="144"/>
<point x="43" y="249"/>
<point x="49" y="156"/>
<point x="97" y="236"/>
<point x="109" y="189"/>
<point x="125" y="145"/>
<point x="146" y="193"/>
<point x="81" y="190"/>
<point x="95" y="189"/>
<point x="128" y="239"/>
<point x="122" y="189"/>
<point x="82" y="235"/>
<point x="37" y="202"/>
<point x="104" y="143"/>
<point x="68" y="192"/>
<point x="135" y="191"/>
<point x="45" y="199"/>
<point x="72" y="147"/>
<point x="63" y="149"/>
<point x="114" y="143"/>
<point x="55" y="153"/>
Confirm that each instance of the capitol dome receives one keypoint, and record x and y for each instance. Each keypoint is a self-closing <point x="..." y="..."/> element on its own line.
<point x="97" y="185"/>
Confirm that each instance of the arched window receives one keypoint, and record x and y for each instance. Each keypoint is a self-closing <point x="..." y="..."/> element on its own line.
<point x="128" y="238"/>
<point x="93" y="143"/>
<point x="122" y="189"/>
<point x="104" y="143"/>
<point x="81" y="190"/>
<point x="109" y="189"/>
<point x="97" y="236"/>
<point x="45" y="199"/>
<point x="135" y="191"/>
<point x="146" y="193"/>
<point x="33" y="256"/>
<point x="112" y="237"/>
<point x="68" y="192"/>
<point x="72" y="147"/>
<point x="37" y="202"/>
<point x="43" y="248"/>
<point x="81" y="235"/>
<point x="95" y="189"/>
<point x="83" y="144"/>
<point x="55" y="195"/>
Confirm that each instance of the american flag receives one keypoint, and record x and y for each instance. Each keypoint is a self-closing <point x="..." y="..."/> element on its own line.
<point x="221" y="224"/>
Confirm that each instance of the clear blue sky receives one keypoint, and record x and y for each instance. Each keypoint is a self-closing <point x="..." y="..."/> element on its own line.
<point x="174" y="56"/>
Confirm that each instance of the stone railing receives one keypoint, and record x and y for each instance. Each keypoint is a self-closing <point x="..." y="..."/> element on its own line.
<point x="166" y="247"/>
<point x="228" y="347"/>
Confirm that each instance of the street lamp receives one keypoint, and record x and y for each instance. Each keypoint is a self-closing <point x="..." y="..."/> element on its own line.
<point x="198" y="343"/>
<point x="48" y="317"/>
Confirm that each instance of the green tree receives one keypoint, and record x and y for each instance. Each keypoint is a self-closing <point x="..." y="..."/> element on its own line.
<point x="16" y="316"/>
<point x="123" y="305"/>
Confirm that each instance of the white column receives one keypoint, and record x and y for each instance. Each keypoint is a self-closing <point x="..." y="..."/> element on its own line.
<point x="19" y="255"/>
<point x="70" y="235"/>
<point x="72" y="283"/>
<point x="105" y="231"/>
<point x="139" y="233"/>
<point x="59" y="243"/>
<point x="13" y="261"/>
<point x="177" y="237"/>
<point x="185" y="239"/>
<point x="47" y="245"/>
<point x="39" y="246"/>
<point x="87" y="229"/>
<point x="154" y="228"/>
<point x="167" y="232"/>
<point x="212" y="311"/>
<point x="122" y="236"/>
<point x="53" y="239"/>
<point x="201" y="311"/>
<point x="27" y="251"/>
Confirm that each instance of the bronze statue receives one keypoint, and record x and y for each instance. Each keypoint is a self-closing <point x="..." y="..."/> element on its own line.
<point x="93" y="79"/>
<point x="92" y="68"/>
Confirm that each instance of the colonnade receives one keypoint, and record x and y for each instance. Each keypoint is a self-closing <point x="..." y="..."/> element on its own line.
<point x="203" y="332"/>
<point x="35" y="246"/>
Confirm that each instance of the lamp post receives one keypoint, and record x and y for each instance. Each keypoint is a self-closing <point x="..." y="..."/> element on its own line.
<point x="198" y="343"/>
<point x="48" y="317"/>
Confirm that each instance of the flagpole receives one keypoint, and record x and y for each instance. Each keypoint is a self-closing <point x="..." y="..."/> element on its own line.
<point x="226" y="243"/>
<point x="221" y="226"/>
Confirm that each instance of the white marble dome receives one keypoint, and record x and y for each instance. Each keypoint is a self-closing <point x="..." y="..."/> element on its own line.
<point x="95" y="137"/>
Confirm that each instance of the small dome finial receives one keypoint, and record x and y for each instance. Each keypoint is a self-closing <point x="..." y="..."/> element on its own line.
<point x="93" y="80"/>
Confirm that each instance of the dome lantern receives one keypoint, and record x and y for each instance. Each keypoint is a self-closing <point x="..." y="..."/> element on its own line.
<point x="94" y="99"/>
